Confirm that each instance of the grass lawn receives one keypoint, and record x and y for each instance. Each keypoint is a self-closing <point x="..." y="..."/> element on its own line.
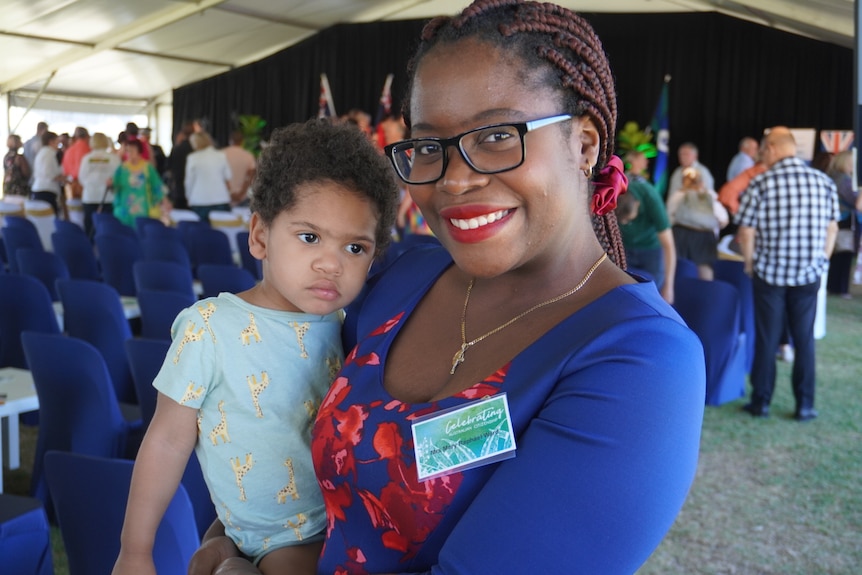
<point x="772" y="497"/>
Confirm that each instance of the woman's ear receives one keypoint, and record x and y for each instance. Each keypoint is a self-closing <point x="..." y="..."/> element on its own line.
<point x="257" y="237"/>
<point x="589" y="142"/>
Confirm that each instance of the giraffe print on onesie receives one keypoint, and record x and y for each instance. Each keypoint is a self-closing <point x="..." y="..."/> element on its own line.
<point x="257" y="377"/>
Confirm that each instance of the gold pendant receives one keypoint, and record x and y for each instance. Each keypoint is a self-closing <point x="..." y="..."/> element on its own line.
<point x="458" y="358"/>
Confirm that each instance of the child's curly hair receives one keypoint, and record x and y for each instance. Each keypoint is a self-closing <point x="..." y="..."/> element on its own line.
<point x="319" y="150"/>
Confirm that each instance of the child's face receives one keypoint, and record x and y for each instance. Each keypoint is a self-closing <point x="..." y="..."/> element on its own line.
<point x="316" y="255"/>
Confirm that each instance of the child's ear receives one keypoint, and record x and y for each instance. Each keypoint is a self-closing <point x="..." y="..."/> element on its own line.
<point x="257" y="237"/>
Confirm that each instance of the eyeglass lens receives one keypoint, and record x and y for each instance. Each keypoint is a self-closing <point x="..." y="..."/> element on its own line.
<point x="490" y="149"/>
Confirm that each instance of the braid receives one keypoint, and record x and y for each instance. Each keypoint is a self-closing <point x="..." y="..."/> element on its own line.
<point x="558" y="42"/>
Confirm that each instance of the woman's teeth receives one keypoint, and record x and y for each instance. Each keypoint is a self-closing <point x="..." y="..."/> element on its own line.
<point x="480" y="221"/>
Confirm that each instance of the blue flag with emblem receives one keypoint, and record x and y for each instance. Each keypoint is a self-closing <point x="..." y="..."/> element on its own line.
<point x="660" y="127"/>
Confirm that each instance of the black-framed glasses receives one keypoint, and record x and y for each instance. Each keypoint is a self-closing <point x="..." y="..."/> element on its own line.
<point x="488" y="150"/>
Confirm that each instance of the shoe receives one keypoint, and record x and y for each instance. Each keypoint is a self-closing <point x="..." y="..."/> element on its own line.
<point x="806" y="414"/>
<point x="756" y="410"/>
<point x="786" y="354"/>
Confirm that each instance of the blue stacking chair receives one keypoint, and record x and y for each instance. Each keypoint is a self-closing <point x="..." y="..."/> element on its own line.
<point x="146" y="356"/>
<point x="16" y="237"/>
<point x="93" y="312"/>
<point x="78" y="409"/>
<point x="217" y="278"/>
<point x="248" y="261"/>
<point x="166" y="249"/>
<point x="711" y="310"/>
<point x="25" y="305"/>
<point x="733" y="272"/>
<point x="47" y="267"/>
<point x="159" y="309"/>
<point x="67" y="226"/>
<point x="144" y="223"/>
<point x="90" y="495"/>
<point x="117" y="256"/>
<point x="25" y="536"/>
<point x="163" y="276"/>
<point x="77" y="253"/>
<point x="209" y="246"/>
<point x="105" y="223"/>
<point x="163" y="232"/>
<point x="685" y="268"/>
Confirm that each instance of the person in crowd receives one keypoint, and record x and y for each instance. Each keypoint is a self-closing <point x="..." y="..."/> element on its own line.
<point x="97" y="169"/>
<point x="323" y="206"/>
<point x="16" y="170"/>
<point x="134" y="133"/>
<point x="687" y="155"/>
<point x="744" y="158"/>
<point x="519" y="335"/>
<point x="242" y="167"/>
<point x="138" y="190"/>
<point x="786" y="250"/>
<point x="646" y="233"/>
<point x="32" y="146"/>
<point x="733" y="188"/>
<point x="847" y="246"/>
<point x="79" y="148"/>
<point x="697" y="217"/>
<point x="158" y="153"/>
<point x="360" y="119"/>
<point x="177" y="165"/>
<point x="63" y="143"/>
<point x="48" y="176"/>
<point x="208" y="175"/>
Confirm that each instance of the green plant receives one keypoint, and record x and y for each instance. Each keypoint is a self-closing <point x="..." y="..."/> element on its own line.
<point x="251" y="127"/>
<point x="632" y="138"/>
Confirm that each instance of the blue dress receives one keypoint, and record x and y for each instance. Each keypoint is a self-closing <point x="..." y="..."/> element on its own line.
<point x="606" y="408"/>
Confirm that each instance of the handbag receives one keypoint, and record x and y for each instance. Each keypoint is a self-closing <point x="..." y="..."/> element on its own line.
<point x="845" y="241"/>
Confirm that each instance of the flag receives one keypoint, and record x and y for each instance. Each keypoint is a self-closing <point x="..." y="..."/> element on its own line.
<point x="383" y="109"/>
<point x="835" y="141"/>
<point x="327" y="107"/>
<point x="660" y="128"/>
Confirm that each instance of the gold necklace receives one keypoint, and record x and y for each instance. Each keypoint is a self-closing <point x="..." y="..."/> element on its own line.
<point x="458" y="358"/>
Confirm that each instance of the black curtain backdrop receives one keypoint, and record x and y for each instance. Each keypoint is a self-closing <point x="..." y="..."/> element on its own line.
<point x="730" y="78"/>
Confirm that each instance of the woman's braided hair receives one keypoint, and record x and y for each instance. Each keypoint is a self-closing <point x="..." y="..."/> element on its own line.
<point x="561" y="45"/>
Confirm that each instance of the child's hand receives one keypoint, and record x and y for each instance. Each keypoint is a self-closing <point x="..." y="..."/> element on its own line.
<point x="211" y="558"/>
<point x="134" y="564"/>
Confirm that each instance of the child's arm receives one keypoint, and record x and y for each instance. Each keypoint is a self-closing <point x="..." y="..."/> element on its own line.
<point x="159" y="467"/>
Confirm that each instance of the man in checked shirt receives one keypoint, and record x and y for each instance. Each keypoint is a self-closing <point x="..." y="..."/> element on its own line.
<point x="787" y="226"/>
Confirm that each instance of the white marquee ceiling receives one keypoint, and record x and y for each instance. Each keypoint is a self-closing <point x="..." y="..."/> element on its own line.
<point x="142" y="49"/>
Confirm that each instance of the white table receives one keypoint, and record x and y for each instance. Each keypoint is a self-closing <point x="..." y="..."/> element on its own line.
<point x="17" y="385"/>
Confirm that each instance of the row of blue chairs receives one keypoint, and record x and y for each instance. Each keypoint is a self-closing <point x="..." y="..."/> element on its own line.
<point x="85" y="451"/>
<point x="118" y="246"/>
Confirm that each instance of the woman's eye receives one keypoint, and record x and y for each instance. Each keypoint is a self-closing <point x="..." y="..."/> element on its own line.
<point x="308" y="238"/>
<point x="355" y="249"/>
<point x="427" y="149"/>
<point x="495" y="136"/>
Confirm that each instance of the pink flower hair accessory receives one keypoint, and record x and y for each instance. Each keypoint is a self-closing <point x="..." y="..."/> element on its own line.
<point x="608" y="184"/>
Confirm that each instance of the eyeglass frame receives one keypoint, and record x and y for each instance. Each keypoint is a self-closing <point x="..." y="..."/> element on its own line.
<point x="455" y="141"/>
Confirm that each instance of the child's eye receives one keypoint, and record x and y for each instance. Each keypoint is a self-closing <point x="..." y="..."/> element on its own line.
<point x="308" y="238"/>
<point x="355" y="249"/>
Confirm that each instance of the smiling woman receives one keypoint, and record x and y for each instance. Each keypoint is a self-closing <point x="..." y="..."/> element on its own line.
<point x="599" y="384"/>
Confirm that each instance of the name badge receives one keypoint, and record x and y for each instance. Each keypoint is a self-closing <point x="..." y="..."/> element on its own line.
<point x="461" y="438"/>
